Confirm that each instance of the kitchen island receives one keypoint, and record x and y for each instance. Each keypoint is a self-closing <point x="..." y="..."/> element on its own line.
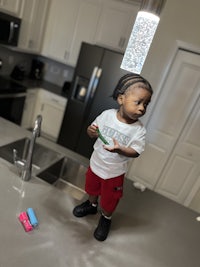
<point x="148" y="230"/>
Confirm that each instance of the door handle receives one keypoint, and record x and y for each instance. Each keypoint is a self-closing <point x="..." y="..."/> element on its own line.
<point x="92" y="78"/>
<point x="11" y="31"/>
<point x="96" y="82"/>
<point x="91" y="82"/>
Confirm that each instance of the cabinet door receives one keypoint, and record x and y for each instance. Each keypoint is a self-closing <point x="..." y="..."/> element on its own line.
<point x="85" y="29"/>
<point x="170" y="115"/>
<point x="115" y="24"/>
<point x="51" y="107"/>
<point x="32" y="26"/>
<point x="52" y="118"/>
<point x="60" y="27"/>
<point x="27" y="118"/>
<point x="12" y="6"/>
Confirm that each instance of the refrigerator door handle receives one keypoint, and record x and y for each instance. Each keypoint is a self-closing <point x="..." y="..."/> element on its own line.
<point x="92" y="79"/>
<point x="96" y="82"/>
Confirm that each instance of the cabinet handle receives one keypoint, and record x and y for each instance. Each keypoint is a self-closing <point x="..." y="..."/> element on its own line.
<point x="123" y="42"/>
<point x="66" y="55"/>
<point x="25" y="106"/>
<point x="30" y="44"/>
<point x="120" y="41"/>
<point x="42" y="107"/>
<point x="55" y="100"/>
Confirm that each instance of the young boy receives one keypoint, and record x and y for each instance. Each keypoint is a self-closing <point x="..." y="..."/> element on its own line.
<point x="123" y="139"/>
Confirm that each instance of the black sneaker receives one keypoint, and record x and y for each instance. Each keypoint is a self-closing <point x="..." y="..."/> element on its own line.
<point x="102" y="229"/>
<point x="84" y="209"/>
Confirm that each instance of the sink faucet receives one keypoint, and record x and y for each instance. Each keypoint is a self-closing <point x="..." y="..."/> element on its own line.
<point x="25" y="165"/>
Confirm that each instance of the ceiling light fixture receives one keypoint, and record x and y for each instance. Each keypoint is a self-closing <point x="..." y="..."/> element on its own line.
<point x="142" y="35"/>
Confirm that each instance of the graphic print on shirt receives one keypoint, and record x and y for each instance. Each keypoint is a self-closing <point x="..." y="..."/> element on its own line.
<point x="111" y="133"/>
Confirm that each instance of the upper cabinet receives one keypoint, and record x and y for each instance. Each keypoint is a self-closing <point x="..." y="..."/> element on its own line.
<point x="32" y="27"/>
<point x="60" y="27"/>
<point x="115" y="24"/>
<point x="70" y="22"/>
<point x="56" y="28"/>
<point x="13" y="7"/>
<point x="85" y="28"/>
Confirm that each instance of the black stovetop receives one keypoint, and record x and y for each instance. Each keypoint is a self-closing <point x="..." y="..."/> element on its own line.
<point x="8" y="86"/>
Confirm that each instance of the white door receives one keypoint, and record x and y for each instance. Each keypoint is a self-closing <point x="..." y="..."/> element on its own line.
<point x="176" y="102"/>
<point x="183" y="168"/>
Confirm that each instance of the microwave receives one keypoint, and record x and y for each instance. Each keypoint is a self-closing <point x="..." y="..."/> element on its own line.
<point x="9" y="29"/>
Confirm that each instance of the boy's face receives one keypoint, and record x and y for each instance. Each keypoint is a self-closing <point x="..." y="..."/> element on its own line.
<point x="133" y="103"/>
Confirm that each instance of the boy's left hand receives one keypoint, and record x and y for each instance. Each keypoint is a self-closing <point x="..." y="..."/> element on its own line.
<point x="114" y="148"/>
<point x="122" y="150"/>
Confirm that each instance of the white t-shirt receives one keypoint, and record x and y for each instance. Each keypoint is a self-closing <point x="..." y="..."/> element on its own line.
<point x="106" y="164"/>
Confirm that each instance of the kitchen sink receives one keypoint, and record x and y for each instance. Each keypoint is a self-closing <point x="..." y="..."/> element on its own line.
<point x="64" y="173"/>
<point x="67" y="175"/>
<point x="43" y="157"/>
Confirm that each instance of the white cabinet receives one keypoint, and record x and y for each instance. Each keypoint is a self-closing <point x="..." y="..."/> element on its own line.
<point x="13" y="7"/>
<point x="32" y="26"/>
<point x="115" y="24"/>
<point x="69" y="23"/>
<point x="85" y="29"/>
<point x="29" y="106"/>
<point x="51" y="107"/>
<point x="60" y="29"/>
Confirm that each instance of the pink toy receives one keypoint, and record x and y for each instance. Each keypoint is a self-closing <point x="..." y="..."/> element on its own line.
<point x="23" y="217"/>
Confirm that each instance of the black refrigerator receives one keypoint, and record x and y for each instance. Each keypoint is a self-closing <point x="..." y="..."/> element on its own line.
<point x="95" y="77"/>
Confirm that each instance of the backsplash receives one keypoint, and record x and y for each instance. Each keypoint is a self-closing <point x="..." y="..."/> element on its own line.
<point x="54" y="72"/>
<point x="11" y="58"/>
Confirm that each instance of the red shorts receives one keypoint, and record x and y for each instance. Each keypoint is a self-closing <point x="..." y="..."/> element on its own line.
<point x="110" y="190"/>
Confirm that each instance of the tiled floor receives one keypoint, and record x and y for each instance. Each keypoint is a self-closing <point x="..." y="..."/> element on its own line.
<point x="148" y="230"/>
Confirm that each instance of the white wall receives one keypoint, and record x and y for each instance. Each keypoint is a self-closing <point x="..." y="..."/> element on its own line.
<point x="179" y="26"/>
<point x="179" y="21"/>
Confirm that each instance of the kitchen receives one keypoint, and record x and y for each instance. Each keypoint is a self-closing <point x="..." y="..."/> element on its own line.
<point x="164" y="47"/>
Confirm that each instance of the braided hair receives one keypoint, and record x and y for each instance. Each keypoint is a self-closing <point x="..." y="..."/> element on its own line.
<point x="126" y="81"/>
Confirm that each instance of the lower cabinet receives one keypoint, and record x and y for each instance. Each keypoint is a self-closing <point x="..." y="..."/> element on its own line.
<point x="50" y="106"/>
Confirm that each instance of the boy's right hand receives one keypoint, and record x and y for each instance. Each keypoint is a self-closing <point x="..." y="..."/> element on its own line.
<point x="92" y="131"/>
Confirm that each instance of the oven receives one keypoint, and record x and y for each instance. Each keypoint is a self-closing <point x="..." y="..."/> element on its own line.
<point x="12" y="100"/>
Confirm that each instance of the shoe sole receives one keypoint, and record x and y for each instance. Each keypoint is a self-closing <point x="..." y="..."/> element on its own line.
<point x="82" y="215"/>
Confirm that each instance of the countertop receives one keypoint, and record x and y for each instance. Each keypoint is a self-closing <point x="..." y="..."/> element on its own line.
<point x="45" y="85"/>
<point x="53" y="242"/>
<point x="29" y="83"/>
<point x="147" y="230"/>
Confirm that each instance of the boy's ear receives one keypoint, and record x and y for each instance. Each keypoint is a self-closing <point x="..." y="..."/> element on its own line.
<point x="120" y="99"/>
